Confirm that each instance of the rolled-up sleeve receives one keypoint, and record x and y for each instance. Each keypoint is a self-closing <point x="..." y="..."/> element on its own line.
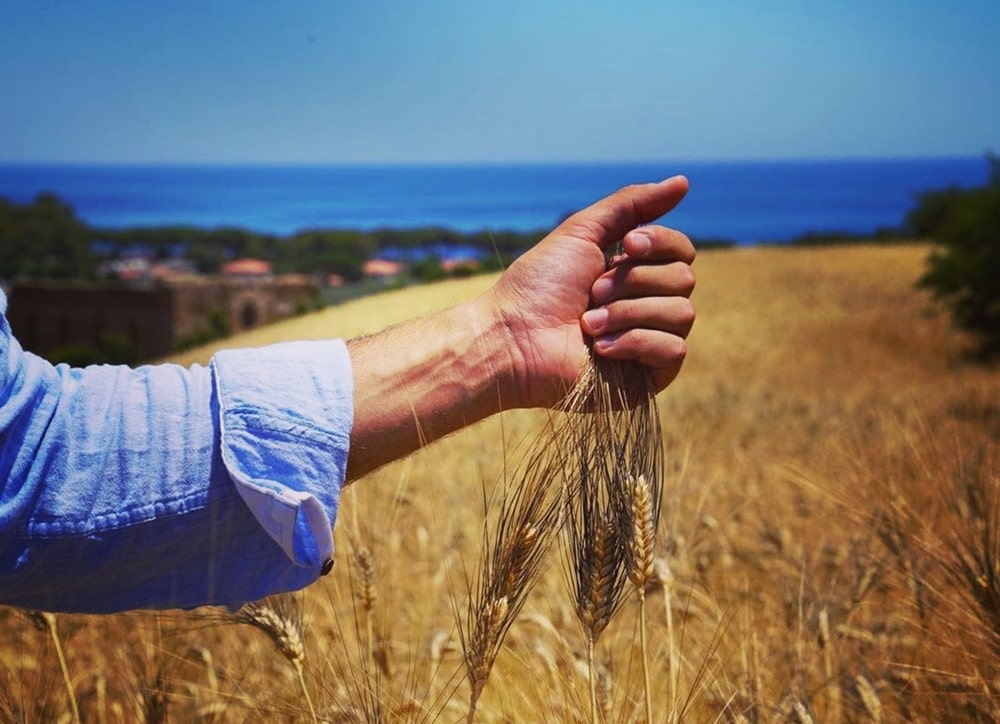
<point x="170" y="487"/>
<point x="284" y="441"/>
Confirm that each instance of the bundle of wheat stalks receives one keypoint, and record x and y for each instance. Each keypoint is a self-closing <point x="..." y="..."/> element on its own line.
<point x="597" y="477"/>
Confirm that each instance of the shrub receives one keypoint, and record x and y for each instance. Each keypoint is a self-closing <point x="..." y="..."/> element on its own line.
<point x="964" y="271"/>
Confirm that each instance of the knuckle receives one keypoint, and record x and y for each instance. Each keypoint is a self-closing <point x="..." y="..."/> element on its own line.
<point x="685" y="312"/>
<point x="667" y="351"/>
<point x="685" y="278"/>
<point x="679" y="350"/>
<point x="685" y="247"/>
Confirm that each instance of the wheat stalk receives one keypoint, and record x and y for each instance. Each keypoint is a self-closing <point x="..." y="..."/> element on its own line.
<point x="869" y="697"/>
<point x="825" y="643"/>
<point x="613" y="497"/>
<point x="280" y="618"/>
<point x="665" y="576"/>
<point x="513" y="552"/>
<point x="975" y="552"/>
<point x="801" y="713"/>
<point x="366" y="594"/>
<point x="46" y="621"/>
<point x="596" y="564"/>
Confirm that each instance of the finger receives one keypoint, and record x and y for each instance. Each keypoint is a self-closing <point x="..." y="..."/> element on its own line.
<point x="608" y="220"/>
<point x="663" y="353"/>
<point x="665" y="314"/>
<point x="631" y="280"/>
<point x="658" y="243"/>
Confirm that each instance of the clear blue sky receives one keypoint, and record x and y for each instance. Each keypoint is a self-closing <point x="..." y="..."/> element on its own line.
<point x="327" y="81"/>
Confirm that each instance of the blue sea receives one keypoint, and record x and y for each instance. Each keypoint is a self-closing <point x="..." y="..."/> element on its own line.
<point x="745" y="202"/>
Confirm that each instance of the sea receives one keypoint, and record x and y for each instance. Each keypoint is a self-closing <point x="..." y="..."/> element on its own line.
<point x="743" y="202"/>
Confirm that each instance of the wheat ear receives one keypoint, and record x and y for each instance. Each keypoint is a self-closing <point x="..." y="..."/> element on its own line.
<point x="869" y="698"/>
<point x="280" y="618"/>
<point x="366" y="593"/>
<point x="513" y="552"/>
<point x="639" y="564"/>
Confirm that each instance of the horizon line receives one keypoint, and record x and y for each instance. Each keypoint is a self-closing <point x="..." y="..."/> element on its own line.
<point x="487" y="162"/>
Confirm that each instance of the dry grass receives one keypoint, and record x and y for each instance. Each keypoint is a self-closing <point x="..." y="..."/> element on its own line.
<point x="827" y="548"/>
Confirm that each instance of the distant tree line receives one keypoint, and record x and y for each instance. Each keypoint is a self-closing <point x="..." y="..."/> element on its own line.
<point x="310" y="251"/>
<point x="44" y="238"/>
<point x="836" y="238"/>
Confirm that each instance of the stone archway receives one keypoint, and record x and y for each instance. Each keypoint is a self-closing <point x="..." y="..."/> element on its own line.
<point x="247" y="309"/>
<point x="249" y="314"/>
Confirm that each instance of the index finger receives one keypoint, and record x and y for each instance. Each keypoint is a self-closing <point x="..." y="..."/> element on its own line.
<point x="658" y="244"/>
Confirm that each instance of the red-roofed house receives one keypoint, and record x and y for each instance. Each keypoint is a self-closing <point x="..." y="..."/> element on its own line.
<point x="383" y="269"/>
<point x="452" y="266"/>
<point x="247" y="268"/>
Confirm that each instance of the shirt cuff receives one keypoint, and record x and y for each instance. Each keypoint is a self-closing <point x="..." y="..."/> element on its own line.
<point x="286" y="413"/>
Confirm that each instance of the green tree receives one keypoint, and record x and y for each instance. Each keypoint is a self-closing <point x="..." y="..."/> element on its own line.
<point x="43" y="239"/>
<point x="325" y="251"/>
<point x="428" y="269"/>
<point x="964" y="270"/>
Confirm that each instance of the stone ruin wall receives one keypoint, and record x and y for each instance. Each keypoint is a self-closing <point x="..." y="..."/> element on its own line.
<point x="47" y="315"/>
<point x="246" y="303"/>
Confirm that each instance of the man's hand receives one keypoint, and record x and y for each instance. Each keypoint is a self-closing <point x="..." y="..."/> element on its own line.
<point x="524" y="341"/>
<point x="560" y="291"/>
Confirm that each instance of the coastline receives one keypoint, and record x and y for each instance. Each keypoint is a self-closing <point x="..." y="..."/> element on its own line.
<point x="745" y="202"/>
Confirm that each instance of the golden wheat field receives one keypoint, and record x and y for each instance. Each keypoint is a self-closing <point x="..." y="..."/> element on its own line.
<point x="828" y="546"/>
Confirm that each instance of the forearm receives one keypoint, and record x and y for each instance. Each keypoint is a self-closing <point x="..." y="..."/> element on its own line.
<point x="424" y="379"/>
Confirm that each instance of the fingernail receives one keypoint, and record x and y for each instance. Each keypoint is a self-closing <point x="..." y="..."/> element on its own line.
<point x="601" y="291"/>
<point x="641" y="243"/>
<point x="603" y="344"/>
<point x="595" y="320"/>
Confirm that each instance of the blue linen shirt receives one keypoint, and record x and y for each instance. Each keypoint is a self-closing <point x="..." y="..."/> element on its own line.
<point x="169" y="487"/>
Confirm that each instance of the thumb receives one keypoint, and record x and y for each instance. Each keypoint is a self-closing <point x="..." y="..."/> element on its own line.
<point x="608" y="220"/>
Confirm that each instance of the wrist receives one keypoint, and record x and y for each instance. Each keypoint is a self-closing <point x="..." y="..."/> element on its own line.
<point x="534" y="375"/>
<point x="495" y="366"/>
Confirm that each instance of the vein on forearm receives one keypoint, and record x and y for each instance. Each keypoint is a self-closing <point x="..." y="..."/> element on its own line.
<point x="419" y="381"/>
